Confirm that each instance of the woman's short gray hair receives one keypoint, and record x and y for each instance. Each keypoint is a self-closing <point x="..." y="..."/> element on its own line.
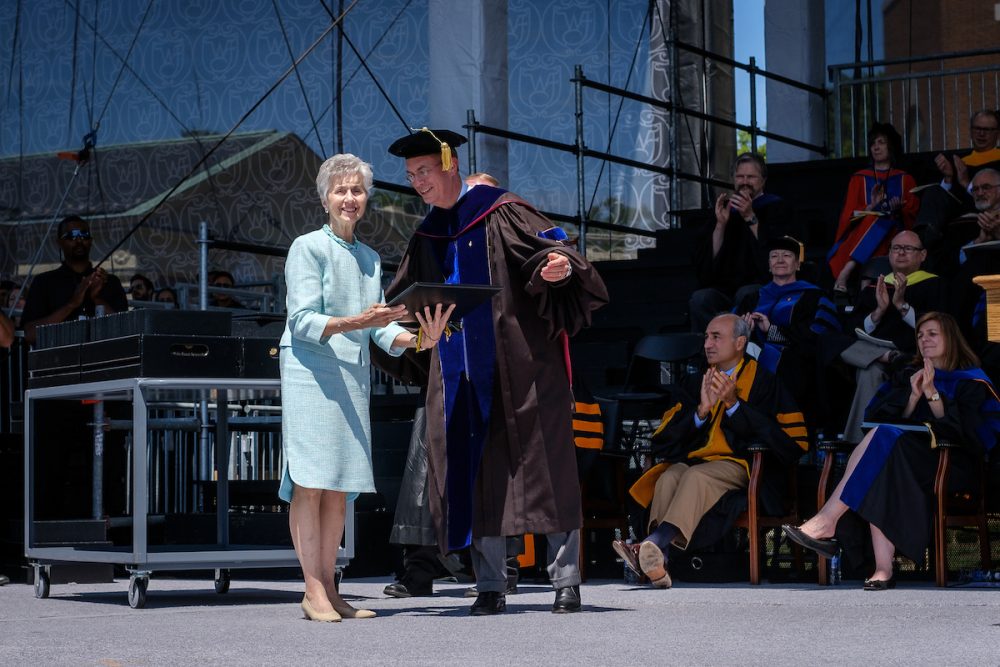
<point x="341" y="166"/>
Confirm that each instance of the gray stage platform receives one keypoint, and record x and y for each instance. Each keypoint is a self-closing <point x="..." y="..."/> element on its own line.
<point x="186" y="623"/>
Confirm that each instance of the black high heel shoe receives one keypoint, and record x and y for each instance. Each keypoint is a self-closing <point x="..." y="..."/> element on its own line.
<point x="824" y="547"/>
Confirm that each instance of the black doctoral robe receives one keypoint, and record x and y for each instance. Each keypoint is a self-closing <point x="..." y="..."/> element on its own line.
<point x="767" y="415"/>
<point x="892" y="484"/>
<point x="742" y="258"/>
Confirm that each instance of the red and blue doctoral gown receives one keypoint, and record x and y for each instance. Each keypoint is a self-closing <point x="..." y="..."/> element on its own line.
<point x="863" y="237"/>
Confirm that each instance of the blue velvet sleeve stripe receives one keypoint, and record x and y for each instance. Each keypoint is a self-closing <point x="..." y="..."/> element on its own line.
<point x="869" y="466"/>
<point x="553" y="234"/>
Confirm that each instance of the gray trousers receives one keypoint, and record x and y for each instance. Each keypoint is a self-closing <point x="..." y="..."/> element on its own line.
<point x="489" y="559"/>
<point x="868" y="381"/>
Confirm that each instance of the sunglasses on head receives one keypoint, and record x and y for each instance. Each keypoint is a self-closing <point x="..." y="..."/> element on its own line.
<point x="74" y="234"/>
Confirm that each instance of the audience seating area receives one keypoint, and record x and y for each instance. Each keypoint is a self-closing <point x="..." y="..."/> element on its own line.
<point x="649" y="298"/>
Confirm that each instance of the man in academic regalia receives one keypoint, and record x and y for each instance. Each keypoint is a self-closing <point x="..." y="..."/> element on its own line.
<point x="703" y="441"/>
<point x="499" y="405"/>
<point x="730" y="256"/>
<point x="888" y="310"/>
<point x="787" y="318"/>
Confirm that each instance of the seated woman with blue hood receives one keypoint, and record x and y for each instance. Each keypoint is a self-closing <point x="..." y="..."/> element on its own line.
<point x="787" y="319"/>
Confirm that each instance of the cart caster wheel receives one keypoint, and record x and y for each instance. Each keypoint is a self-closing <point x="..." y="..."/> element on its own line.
<point x="137" y="592"/>
<point x="222" y="580"/>
<point x="41" y="584"/>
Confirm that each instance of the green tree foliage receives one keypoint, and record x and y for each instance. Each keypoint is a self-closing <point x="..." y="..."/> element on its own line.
<point x="743" y="144"/>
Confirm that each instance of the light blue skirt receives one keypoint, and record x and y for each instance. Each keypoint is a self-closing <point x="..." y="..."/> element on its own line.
<point x="325" y="424"/>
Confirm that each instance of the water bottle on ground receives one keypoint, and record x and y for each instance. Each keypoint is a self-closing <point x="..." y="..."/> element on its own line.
<point x="835" y="569"/>
<point x="631" y="578"/>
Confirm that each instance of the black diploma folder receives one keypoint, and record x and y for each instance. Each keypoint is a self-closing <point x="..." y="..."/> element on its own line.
<point x="465" y="298"/>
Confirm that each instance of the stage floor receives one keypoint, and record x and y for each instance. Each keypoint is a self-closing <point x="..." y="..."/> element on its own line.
<point x="259" y="622"/>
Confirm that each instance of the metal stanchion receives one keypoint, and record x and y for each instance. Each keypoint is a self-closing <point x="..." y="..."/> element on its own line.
<point x="97" y="497"/>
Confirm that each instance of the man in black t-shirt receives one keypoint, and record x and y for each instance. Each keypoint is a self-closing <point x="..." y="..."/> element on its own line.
<point x="75" y="288"/>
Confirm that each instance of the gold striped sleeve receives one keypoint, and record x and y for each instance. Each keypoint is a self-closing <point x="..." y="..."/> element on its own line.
<point x="588" y="443"/>
<point x="589" y="427"/>
<point x="667" y="416"/>
<point x="794" y="426"/>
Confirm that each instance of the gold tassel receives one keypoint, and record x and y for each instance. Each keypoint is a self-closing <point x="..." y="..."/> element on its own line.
<point x="445" y="150"/>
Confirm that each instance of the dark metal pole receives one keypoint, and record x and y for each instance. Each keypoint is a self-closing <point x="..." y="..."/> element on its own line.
<point x="753" y="104"/>
<point x="340" y="80"/>
<point x="470" y="123"/>
<point x="581" y="201"/>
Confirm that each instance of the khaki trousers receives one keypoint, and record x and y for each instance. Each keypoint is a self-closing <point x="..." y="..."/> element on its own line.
<point x="685" y="493"/>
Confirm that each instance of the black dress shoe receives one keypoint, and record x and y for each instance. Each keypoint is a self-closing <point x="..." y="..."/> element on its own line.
<point x="879" y="584"/>
<point x="567" y="600"/>
<point x="824" y="547"/>
<point x="473" y="592"/>
<point x="489" y="603"/>
<point x="401" y="590"/>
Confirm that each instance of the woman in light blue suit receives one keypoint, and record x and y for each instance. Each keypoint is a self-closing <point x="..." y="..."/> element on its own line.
<point x="335" y="306"/>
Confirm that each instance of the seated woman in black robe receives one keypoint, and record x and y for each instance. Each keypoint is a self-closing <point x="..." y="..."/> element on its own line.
<point x="889" y="478"/>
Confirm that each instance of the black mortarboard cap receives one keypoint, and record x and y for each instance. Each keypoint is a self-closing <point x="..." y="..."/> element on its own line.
<point x="788" y="243"/>
<point x="428" y="142"/>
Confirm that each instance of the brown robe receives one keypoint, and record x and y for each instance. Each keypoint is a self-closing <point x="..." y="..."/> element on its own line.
<point x="527" y="480"/>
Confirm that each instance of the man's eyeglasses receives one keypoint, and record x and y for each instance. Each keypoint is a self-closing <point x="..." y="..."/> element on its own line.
<point x="904" y="248"/>
<point x="419" y="174"/>
<point x="985" y="187"/>
<point x="74" y="234"/>
<point x="980" y="128"/>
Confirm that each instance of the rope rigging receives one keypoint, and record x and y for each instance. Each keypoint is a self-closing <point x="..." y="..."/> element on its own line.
<point x="385" y="34"/>
<point x="142" y="221"/>
<point x="89" y="96"/>
<point x="364" y="64"/>
<point x="298" y="76"/>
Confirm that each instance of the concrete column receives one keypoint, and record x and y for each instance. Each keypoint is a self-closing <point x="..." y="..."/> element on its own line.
<point x="468" y="70"/>
<point x="794" y="47"/>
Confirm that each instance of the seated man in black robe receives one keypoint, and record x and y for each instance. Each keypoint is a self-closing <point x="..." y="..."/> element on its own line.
<point x="731" y="255"/>
<point x="888" y="311"/>
<point x="703" y="440"/>
<point x="941" y="206"/>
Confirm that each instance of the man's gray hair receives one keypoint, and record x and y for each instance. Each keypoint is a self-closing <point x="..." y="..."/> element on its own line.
<point x="341" y="166"/>
<point x="989" y="171"/>
<point x="741" y="328"/>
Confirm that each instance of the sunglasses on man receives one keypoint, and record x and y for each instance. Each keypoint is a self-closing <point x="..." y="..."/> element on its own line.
<point x="74" y="234"/>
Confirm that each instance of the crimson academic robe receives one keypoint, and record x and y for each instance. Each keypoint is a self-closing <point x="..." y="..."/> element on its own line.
<point x="499" y="406"/>
<point x="862" y="237"/>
